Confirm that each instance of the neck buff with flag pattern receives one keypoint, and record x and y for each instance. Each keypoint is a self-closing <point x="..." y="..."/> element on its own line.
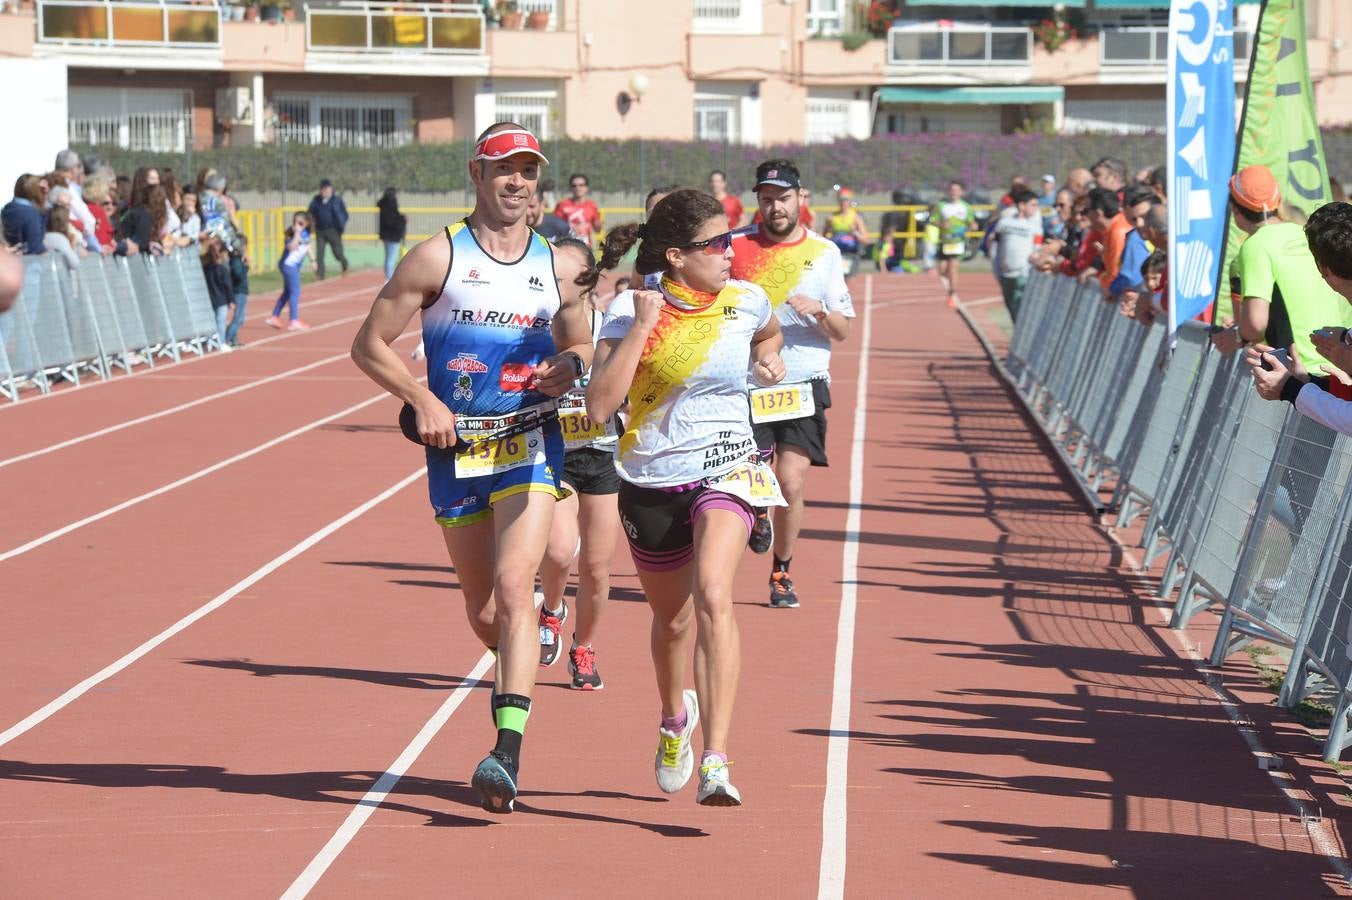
<point x="502" y="144"/>
<point x="685" y="297"/>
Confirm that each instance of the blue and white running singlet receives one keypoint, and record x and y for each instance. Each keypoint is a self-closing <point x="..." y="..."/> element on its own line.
<point x="490" y="327"/>
<point x="484" y="335"/>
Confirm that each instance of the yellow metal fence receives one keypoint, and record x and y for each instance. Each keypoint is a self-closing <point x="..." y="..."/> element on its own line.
<point x="264" y="228"/>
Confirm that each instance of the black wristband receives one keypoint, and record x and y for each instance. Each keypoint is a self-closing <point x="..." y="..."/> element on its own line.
<point x="579" y="367"/>
<point x="1291" y="388"/>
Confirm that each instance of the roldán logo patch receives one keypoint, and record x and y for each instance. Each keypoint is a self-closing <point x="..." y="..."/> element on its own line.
<point x="516" y="376"/>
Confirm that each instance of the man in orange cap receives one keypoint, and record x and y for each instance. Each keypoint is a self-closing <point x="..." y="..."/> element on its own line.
<point x="1284" y="298"/>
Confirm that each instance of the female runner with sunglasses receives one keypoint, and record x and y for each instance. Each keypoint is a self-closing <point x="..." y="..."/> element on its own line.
<point x="678" y="352"/>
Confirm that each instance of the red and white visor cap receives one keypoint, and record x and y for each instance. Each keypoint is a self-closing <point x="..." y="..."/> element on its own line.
<point x="502" y="144"/>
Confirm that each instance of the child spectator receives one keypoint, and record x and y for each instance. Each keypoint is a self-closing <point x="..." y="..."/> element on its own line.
<point x="216" y="269"/>
<point x="239" y="286"/>
<point x="1015" y="237"/>
<point x="190" y="223"/>
<point x="62" y="238"/>
<point x="293" y="257"/>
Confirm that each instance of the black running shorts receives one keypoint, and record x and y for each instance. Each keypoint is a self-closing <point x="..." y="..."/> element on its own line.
<point x="660" y="522"/>
<point x="590" y="470"/>
<point x="808" y="433"/>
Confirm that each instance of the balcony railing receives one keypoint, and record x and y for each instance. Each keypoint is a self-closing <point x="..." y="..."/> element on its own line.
<point x="549" y="6"/>
<point x="727" y="16"/>
<point x="393" y="28"/>
<point x="959" y="46"/>
<point x="141" y="23"/>
<point x="1149" y="46"/>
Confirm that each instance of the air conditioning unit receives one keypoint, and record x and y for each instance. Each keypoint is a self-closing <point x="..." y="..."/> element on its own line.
<point x="234" y="106"/>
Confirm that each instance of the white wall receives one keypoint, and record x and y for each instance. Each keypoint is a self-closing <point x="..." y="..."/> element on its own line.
<point x="40" y="108"/>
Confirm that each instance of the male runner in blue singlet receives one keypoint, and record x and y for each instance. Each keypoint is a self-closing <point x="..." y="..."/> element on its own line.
<point x="493" y="326"/>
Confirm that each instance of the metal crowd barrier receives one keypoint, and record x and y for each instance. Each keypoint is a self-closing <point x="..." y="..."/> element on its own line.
<point x="110" y="313"/>
<point x="1250" y="500"/>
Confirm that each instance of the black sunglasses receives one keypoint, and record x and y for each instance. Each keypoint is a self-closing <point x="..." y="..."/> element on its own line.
<point x="721" y="243"/>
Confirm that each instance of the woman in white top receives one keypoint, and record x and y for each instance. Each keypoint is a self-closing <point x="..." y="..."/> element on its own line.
<point x="678" y="354"/>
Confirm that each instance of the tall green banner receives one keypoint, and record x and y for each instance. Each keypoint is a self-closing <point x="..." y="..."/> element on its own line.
<point x="1279" y="128"/>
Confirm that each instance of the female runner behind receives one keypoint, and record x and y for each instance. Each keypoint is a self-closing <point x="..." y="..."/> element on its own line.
<point x="589" y="471"/>
<point x="297" y="248"/>
<point x="679" y="355"/>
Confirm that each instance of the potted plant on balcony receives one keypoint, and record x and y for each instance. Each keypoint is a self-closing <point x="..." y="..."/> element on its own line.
<point x="879" y="16"/>
<point x="509" y="14"/>
<point x="1051" y="34"/>
<point x="537" y="19"/>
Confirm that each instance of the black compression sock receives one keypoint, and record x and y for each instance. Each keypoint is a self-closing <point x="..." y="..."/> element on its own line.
<point x="511" y="711"/>
<point x="782" y="565"/>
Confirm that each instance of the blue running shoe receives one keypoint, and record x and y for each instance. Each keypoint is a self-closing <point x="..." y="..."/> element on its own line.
<point x="495" y="780"/>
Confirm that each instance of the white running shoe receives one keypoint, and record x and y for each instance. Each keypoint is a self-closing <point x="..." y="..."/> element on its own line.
<point x="675" y="761"/>
<point x="714" y="787"/>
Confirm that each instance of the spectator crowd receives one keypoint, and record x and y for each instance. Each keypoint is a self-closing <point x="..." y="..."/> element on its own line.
<point x="84" y="208"/>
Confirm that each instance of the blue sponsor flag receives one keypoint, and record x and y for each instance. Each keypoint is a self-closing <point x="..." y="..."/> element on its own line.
<point x="1201" y="144"/>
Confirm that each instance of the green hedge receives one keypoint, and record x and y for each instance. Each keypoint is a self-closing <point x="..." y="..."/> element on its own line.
<point x="878" y="165"/>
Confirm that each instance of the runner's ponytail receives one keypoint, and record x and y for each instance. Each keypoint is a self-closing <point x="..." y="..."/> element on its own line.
<point x="619" y="241"/>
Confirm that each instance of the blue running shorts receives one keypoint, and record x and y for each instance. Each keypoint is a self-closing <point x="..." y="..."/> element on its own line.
<point x="464" y="501"/>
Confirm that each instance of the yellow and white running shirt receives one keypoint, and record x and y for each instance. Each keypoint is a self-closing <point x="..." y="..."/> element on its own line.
<point x="687" y="405"/>
<point x="810" y="266"/>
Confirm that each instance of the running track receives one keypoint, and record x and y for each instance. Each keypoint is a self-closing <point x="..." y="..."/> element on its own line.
<point x="229" y="626"/>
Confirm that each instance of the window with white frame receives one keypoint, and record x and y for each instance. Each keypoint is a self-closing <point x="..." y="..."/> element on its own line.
<point x="827" y="120"/>
<point x="150" y="120"/>
<point x="717" y="119"/>
<point x="344" y="120"/>
<point x="825" y="17"/>
<point x="534" y="110"/>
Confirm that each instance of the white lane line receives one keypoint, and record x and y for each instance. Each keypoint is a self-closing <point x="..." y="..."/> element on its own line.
<point x="171" y="366"/>
<point x="368" y="804"/>
<point x="379" y="791"/>
<point x="140" y="420"/>
<point x="220" y="600"/>
<point x="831" y="877"/>
<point x="186" y="479"/>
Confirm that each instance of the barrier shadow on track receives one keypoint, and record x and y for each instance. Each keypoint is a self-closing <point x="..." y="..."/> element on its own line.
<point x="1136" y="732"/>
<point x="427" y="681"/>
<point x="1151" y="865"/>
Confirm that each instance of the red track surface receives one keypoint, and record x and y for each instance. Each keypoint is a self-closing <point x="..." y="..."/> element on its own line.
<point x="1021" y="724"/>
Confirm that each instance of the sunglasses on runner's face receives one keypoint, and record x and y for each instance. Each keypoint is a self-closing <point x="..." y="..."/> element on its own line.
<point x="720" y="243"/>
